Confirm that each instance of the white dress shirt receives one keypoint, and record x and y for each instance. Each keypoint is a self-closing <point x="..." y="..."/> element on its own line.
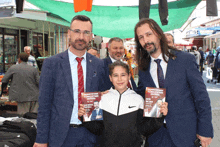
<point x="153" y="70"/>
<point x="73" y="66"/>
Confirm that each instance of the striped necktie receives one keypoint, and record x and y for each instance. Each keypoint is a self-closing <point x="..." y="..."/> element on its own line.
<point x="80" y="80"/>
<point x="160" y="73"/>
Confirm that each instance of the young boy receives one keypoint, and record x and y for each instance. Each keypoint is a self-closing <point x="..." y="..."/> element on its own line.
<point x="123" y="112"/>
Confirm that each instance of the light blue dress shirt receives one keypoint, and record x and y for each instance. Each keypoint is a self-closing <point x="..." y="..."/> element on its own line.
<point x="73" y="66"/>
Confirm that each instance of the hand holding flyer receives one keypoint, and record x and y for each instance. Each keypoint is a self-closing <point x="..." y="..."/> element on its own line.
<point x="154" y="98"/>
<point x="91" y="100"/>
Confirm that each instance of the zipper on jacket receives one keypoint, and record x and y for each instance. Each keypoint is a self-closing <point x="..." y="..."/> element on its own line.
<point x="119" y="104"/>
<point x="120" y="100"/>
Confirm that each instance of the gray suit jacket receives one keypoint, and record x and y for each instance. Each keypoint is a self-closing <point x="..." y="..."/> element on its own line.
<point x="24" y="82"/>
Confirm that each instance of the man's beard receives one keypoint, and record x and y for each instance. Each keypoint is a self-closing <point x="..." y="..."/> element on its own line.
<point x="151" y="51"/>
<point x="118" y="58"/>
<point x="77" y="47"/>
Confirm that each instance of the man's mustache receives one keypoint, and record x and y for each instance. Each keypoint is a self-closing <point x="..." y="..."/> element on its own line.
<point x="80" y="40"/>
<point x="146" y="44"/>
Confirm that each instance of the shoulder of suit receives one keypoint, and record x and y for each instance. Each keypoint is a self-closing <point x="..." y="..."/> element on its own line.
<point x="181" y="55"/>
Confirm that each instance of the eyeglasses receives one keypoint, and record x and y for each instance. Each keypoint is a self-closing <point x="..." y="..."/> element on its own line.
<point x="77" y="32"/>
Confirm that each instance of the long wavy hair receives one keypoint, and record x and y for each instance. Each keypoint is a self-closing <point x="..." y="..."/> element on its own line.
<point x="142" y="56"/>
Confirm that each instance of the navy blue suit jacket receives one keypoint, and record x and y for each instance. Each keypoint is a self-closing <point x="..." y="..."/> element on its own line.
<point x="189" y="110"/>
<point x="94" y="114"/>
<point x="108" y="83"/>
<point x="56" y="96"/>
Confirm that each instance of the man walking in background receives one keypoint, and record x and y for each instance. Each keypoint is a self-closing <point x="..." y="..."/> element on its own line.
<point x="24" y="85"/>
<point x="31" y="60"/>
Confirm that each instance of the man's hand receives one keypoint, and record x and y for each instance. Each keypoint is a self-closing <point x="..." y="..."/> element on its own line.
<point x="205" y="141"/>
<point x="81" y="111"/>
<point x="104" y="92"/>
<point x="98" y="116"/>
<point x="164" y="108"/>
<point x="40" y="145"/>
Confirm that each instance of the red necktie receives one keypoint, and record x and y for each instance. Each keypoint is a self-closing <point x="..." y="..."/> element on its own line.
<point x="80" y="80"/>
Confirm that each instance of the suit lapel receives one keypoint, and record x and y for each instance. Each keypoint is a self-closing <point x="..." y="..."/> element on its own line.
<point x="170" y="71"/>
<point x="67" y="71"/>
<point x="89" y="71"/>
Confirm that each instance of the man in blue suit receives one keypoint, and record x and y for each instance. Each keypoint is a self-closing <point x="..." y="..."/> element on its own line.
<point x="57" y="123"/>
<point x="189" y="110"/>
<point x="116" y="51"/>
<point x="97" y="113"/>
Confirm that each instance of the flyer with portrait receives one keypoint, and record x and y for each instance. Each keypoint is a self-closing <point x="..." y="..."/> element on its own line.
<point x="91" y="100"/>
<point x="154" y="97"/>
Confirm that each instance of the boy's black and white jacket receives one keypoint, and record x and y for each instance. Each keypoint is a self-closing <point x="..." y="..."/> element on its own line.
<point x="123" y="120"/>
<point x="121" y="112"/>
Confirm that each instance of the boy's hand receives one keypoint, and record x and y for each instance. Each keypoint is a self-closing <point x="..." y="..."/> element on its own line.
<point x="164" y="108"/>
<point x="81" y="111"/>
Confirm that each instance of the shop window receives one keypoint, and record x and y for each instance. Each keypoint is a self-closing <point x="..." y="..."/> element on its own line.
<point x="38" y="48"/>
<point x="10" y="49"/>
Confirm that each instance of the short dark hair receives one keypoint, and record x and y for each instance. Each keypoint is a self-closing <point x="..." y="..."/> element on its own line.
<point x="118" y="63"/>
<point x="193" y="48"/>
<point x="81" y="18"/>
<point x="142" y="56"/>
<point x="23" y="56"/>
<point x="117" y="39"/>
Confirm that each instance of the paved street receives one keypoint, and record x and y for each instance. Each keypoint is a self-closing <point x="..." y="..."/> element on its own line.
<point x="214" y="94"/>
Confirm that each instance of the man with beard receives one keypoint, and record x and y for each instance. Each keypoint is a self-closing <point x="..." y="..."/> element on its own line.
<point x="189" y="107"/>
<point x="116" y="52"/>
<point x="63" y="78"/>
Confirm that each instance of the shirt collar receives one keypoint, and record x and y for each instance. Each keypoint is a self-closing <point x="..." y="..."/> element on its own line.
<point x="73" y="56"/>
<point x="159" y="57"/>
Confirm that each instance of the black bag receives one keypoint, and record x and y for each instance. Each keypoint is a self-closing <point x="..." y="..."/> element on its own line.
<point x="25" y="127"/>
<point x="13" y="139"/>
<point x="30" y="115"/>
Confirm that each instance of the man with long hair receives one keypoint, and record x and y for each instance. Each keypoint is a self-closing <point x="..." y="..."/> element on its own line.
<point x="189" y="107"/>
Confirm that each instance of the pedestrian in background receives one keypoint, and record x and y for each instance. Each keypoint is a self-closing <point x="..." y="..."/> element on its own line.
<point x="31" y="60"/>
<point x="24" y="85"/>
<point x="201" y="60"/>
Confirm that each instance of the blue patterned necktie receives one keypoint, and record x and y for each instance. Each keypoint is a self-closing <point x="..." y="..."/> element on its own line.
<point x="160" y="73"/>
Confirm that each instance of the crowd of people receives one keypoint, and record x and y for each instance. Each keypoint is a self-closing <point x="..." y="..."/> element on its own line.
<point x="186" y="114"/>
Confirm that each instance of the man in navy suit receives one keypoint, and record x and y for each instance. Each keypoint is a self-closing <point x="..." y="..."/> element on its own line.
<point x="57" y="123"/>
<point x="189" y="114"/>
<point x="116" y="51"/>
<point x="97" y="113"/>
